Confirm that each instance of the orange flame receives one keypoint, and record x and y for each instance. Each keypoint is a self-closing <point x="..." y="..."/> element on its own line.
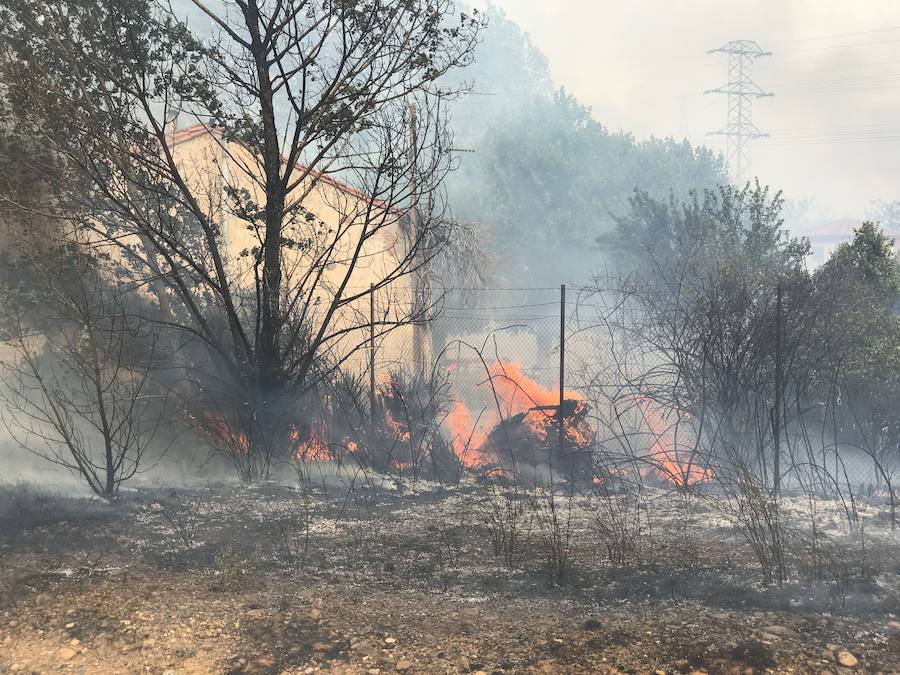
<point x="400" y="432"/>
<point x="313" y="449"/>
<point x="215" y="425"/>
<point x="670" y="464"/>
<point x="520" y="393"/>
<point x="467" y="440"/>
<point x="517" y="393"/>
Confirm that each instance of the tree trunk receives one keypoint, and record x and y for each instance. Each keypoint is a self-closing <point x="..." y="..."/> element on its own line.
<point x="268" y="347"/>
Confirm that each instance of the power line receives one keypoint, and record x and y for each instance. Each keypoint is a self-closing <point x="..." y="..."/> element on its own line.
<point x="836" y="139"/>
<point x="850" y="126"/>
<point x="838" y="90"/>
<point x="824" y="47"/>
<point x="837" y="134"/>
<point x="848" y="140"/>
<point x="853" y="66"/>
<point x="858" y="83"/>
<point x="835" y="35"/>
<point x="790" y="83"/>
<point x="885" y="139"/>
<point x="484" y="309"/>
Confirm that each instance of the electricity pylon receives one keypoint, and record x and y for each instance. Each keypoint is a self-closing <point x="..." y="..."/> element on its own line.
<point x="739" y="130"/>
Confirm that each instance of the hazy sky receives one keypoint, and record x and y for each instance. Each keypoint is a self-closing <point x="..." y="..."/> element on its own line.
<point x="835" y="118"/>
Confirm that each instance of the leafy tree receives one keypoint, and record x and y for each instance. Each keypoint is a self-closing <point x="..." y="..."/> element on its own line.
<point x="545" y="175"/>
<point x="858" y="289"/>
<point x="716" y="295"/>
<point x="549" y="176"/>
<point x="741" y="229"/>
<point x="310" y="90"/>
<point x="743" y="339"/>
<point x="869" y="260"/>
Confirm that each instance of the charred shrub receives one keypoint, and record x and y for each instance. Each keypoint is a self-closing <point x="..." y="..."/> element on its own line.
<point x="757" y="515"/>
<point x="180" y="511"/>
<point x="553" y="513"/>
<point x="508" y="515"/>
<point x="409" y="435"/>
<point x="289" y="533"/>
<point x="621" y="524"/>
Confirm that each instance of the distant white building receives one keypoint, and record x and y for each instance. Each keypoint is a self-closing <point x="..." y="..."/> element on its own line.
<point x="825" y="238"/>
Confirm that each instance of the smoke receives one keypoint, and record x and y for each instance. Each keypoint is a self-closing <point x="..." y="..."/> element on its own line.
<point x="651" y="83"/>
<point x="545" y="173"/>
<point x="17" y="465"/>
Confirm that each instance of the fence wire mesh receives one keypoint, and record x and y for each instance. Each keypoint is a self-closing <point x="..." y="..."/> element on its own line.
<point x="510" y="339"/>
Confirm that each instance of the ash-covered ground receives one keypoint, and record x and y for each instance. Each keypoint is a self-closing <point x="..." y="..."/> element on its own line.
<point x="367" y="574"/>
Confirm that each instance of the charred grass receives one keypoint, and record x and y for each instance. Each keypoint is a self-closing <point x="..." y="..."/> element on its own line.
<point x="200" y="581"/>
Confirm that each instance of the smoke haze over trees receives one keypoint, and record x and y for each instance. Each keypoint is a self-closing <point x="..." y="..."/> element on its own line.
<point x="356" y="335"/>
<point x="535" y="168"/>
<point x="288" y="94"/>
<point x="544" y="174"/>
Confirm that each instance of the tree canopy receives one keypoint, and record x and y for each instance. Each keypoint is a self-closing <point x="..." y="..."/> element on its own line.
<point x="293" y="95"/>
<point x="545" y="175"/>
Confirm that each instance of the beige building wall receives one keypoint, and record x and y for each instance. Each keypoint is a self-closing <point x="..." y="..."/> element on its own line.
<point x="209" y="167"/>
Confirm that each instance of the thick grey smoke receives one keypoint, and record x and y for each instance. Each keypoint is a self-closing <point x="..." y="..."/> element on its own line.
<point x="643" y="67"/>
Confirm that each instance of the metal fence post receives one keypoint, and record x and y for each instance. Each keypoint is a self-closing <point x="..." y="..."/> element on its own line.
<point x="776" y="417"/>
<point x="562" y="367"/>
<point x="371" y="362"/>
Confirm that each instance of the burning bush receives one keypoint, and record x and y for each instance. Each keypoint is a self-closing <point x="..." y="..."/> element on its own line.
<point x="673" y="455"/>
<point x="525" y="426"/>
<point x="409" y="435"/>
<point x="416" y="428"/>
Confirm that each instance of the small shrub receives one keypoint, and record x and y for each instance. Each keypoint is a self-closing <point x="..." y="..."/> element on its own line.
<point x="622" y="524"/>
<point x="180" y="512"/>
<point x="230" y="565"/>
<point x="508" y="516"/>
<point x="554" y="516"/>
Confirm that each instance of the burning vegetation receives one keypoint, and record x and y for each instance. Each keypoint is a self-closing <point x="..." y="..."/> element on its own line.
<point x="420" y="427"/>
<point x="294" y="417"/>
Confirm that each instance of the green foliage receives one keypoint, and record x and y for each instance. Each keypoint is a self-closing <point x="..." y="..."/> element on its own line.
<point x="706" y="278"/>
<point x="545" y="175"/>
<point x="869" y="260"/>
<point x="91" y="56"/>
<point x="549" y="177"/>
<point x="729" y="229"/>
<point x="310" y="90"/>
<point x="715" y="290"/>
<point x="858" y="290"/>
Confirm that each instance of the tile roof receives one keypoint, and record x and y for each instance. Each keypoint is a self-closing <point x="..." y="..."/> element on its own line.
<point x="197" y="130"/>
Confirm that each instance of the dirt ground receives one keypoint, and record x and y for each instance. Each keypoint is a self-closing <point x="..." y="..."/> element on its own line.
<point x="393" y="578"/>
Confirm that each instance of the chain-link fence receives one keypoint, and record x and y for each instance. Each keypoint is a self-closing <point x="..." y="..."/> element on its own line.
<point x="500" y="356"/>
<point x="516" y="327"/>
